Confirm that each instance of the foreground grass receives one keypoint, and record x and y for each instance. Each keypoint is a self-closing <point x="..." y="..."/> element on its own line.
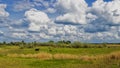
<point x="6" y="62"/>
<point x="110" y="57"/>
<point x="36" y="63"/>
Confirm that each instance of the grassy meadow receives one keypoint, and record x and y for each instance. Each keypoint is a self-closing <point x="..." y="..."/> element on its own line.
<point x="83" y="56"/>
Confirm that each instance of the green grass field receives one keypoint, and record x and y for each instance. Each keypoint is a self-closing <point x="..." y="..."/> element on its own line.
<point x="14" y="57"/>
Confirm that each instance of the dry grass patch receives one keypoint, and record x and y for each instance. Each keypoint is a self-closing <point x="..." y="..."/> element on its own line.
<point x="111" y="56"/>
<point x="65" y="56"/>
<point x="87" y="58"/>
<point x="114" y="55"/>
<point x="47" y="56"/>
<point x="42" y="56"/>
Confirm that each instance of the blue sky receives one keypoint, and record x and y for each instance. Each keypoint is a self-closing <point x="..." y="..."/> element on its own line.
<point x="75" y="20"/>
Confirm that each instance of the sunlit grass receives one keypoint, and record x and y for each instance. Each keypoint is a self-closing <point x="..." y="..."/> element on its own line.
<point x="14" y="57"/>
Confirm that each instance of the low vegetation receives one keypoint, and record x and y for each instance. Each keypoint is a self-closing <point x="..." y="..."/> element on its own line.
<point x="59" y="44"/>
<point x="61" y="54"/>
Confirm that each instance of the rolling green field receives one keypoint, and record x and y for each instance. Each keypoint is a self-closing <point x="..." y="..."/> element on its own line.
<point x="51" y="57"/>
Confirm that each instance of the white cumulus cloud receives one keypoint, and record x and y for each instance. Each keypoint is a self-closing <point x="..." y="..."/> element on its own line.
<point x="107" y="12"/>
<point x="73" y="11"/>
<point x="37" y="19"/>
<point x="3" y="13"/>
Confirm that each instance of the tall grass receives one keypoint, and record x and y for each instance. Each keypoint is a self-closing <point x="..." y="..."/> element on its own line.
<point x="47" y="56"/>
<point x="65" y="56"/>
<point x="42" y="56"/>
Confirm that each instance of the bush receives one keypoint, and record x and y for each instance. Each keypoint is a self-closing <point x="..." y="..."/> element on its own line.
<point x="50" y="49"/>
<point x="21" y="46"/>
<point x="86" y="46"/>
<point x="77" y="45"/>
<point x="60" y="45"/>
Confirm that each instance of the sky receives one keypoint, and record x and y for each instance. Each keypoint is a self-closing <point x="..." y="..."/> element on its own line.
<point x="93" y="21"/>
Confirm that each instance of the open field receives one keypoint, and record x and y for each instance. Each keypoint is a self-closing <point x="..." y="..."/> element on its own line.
<point x="52" y="57"/>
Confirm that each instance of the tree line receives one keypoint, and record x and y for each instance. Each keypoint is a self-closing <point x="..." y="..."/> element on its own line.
<point x="62" y="43"/>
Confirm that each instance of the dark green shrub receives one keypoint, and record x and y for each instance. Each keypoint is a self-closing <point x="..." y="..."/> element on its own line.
<point x="86" y="46"/>
<point x="30" y="46"/>
<point x="50" y="49"/>
<point x="21" y="46"/>
<point x="77" y="45"/>
<point x="99" y="46"/>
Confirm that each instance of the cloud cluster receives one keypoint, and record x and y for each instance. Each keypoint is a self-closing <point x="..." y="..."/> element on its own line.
<point x="75" y="12"/>
<point x="42" y="27"/>
<point x="107" y="12"/>
<point x="50" y="30"/>
<point x="96" y="22"/>
<point x="65" y="20"/>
